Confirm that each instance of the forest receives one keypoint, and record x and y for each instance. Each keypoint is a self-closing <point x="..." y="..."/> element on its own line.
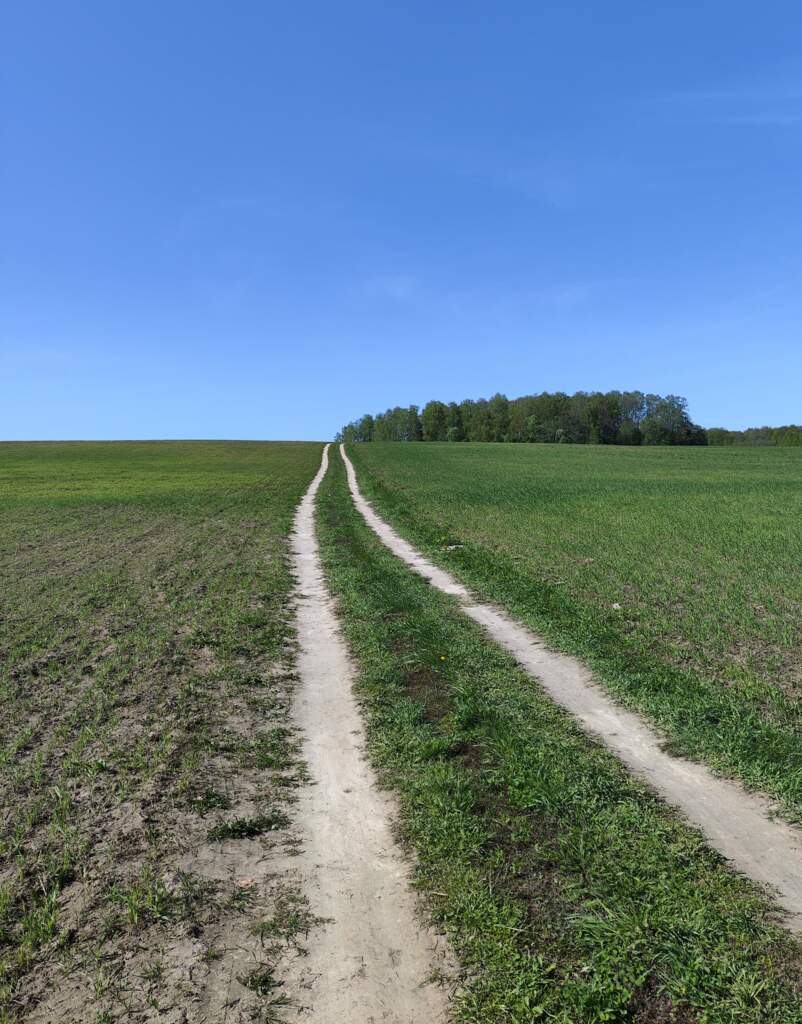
<point x="615" y="417"/>
<point x="782" y="436"/>
<point x="612" y="417"/>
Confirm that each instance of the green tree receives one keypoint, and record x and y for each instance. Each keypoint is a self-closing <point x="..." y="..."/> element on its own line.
<point x="434" y="420"/>
<point x="455" y="431"/>
<point x="613" y="417"/>
<point x="498" y="414"/>
<point x="604" y="417"/>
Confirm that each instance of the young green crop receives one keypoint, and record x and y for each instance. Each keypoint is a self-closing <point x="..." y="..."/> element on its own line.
<point x="145" y="656"/>
<point x="570" y="893"/>
<point x="675" y="572"/>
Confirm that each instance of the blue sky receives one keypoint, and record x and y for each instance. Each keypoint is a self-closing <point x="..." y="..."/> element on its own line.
<point x="259" y="220"/>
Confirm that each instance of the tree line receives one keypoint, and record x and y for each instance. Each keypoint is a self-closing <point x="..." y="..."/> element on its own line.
<point x="776" y="436"/>
<point x="613" y="417"/>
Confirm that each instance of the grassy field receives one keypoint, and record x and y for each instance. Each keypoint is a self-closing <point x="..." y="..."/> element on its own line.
<point x="148" y="768"/>
<point x="146" y="663"/>
<point x="675" y="572"/>
<point x="569" y="892"/>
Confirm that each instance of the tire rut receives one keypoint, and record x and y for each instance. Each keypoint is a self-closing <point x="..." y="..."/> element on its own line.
<point x="740" y="825"/>
<point x="373" y="959"/>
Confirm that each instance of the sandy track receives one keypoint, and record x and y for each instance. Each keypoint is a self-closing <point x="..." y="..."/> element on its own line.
<point x="373" y="960"/>
<point x="736" y="823"/>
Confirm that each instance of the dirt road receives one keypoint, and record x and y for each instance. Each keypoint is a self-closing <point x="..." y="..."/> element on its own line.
<point x="373" y="959"/>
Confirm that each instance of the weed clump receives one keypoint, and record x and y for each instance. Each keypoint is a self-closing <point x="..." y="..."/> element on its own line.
<point x="248" y="828"/>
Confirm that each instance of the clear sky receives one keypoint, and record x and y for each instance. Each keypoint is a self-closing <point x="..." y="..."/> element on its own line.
<point x="261" y="219"/>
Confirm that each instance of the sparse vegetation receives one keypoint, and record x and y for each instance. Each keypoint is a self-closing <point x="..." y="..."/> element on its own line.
<point x="146" y="668"/>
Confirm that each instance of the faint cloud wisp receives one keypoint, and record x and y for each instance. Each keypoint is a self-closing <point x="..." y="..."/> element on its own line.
<point x="776" y="105"/>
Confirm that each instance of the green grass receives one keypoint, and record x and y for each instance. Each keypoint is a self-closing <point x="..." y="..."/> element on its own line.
<point x="674" y="572"/>
<point x="570" y="893"/>
<point x="248" y="828"/>
<point x="146" y="667"/>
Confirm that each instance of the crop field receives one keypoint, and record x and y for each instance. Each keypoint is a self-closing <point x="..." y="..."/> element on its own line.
<point x="570" y="893"/>
<point x="146" y="765"/>
<point x="153" y="838"/>
<point x="674" y="572"/>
